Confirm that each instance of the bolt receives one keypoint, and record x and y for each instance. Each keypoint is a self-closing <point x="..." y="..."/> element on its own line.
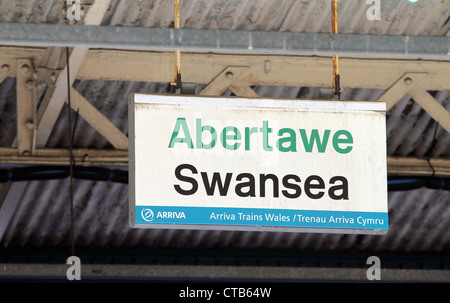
<point x="408" y="81"/>
<point x="229" y="75"/>
<point x="29" y="124"/>
<point x="53" y="77"/>
<point x="5" y="68"/>
<point x="26" y="153"/>
<point x="29" y="84"/>
<point x="25" y="68"/>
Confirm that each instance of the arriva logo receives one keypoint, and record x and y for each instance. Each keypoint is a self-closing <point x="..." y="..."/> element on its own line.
<point x="147" y="214"/>
<point x="171" y="215"/>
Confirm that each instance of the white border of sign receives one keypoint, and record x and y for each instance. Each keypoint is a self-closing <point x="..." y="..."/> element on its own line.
<point x="256" y="102"/>
<point x="316" y="105"/>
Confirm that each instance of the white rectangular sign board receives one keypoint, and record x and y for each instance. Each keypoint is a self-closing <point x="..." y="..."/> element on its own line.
<point x="257" y="164"/>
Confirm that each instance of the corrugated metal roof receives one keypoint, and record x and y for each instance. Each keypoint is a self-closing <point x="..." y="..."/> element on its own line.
<point x="398" y="17"/>
<point x="423" y="17"/>
<point x="419" y="222"/>
<point x="419" y="219"/>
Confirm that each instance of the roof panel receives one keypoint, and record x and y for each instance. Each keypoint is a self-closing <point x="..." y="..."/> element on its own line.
<point x="101" y="220"/>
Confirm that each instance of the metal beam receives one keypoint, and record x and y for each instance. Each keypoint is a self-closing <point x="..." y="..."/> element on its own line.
<point x="243" y="90"/>
<point x="26" y="107"/>
<point x="400" y="88"/>
<point x="98" y="121"/>
<point x="203" y="40"/>
<point x="51" y="106"/>
<point x="418" y="166"/>
<point x="283" y="70"/>
<point x="223" y="80"/>
<point x="432" y="107"/>
<point x="60" y="156"/>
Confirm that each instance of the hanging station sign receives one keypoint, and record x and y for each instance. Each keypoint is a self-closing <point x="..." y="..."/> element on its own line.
<point x="257" y="164"/>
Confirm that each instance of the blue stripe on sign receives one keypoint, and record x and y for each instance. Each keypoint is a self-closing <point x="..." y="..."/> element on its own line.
<point x="260" y="217"/>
